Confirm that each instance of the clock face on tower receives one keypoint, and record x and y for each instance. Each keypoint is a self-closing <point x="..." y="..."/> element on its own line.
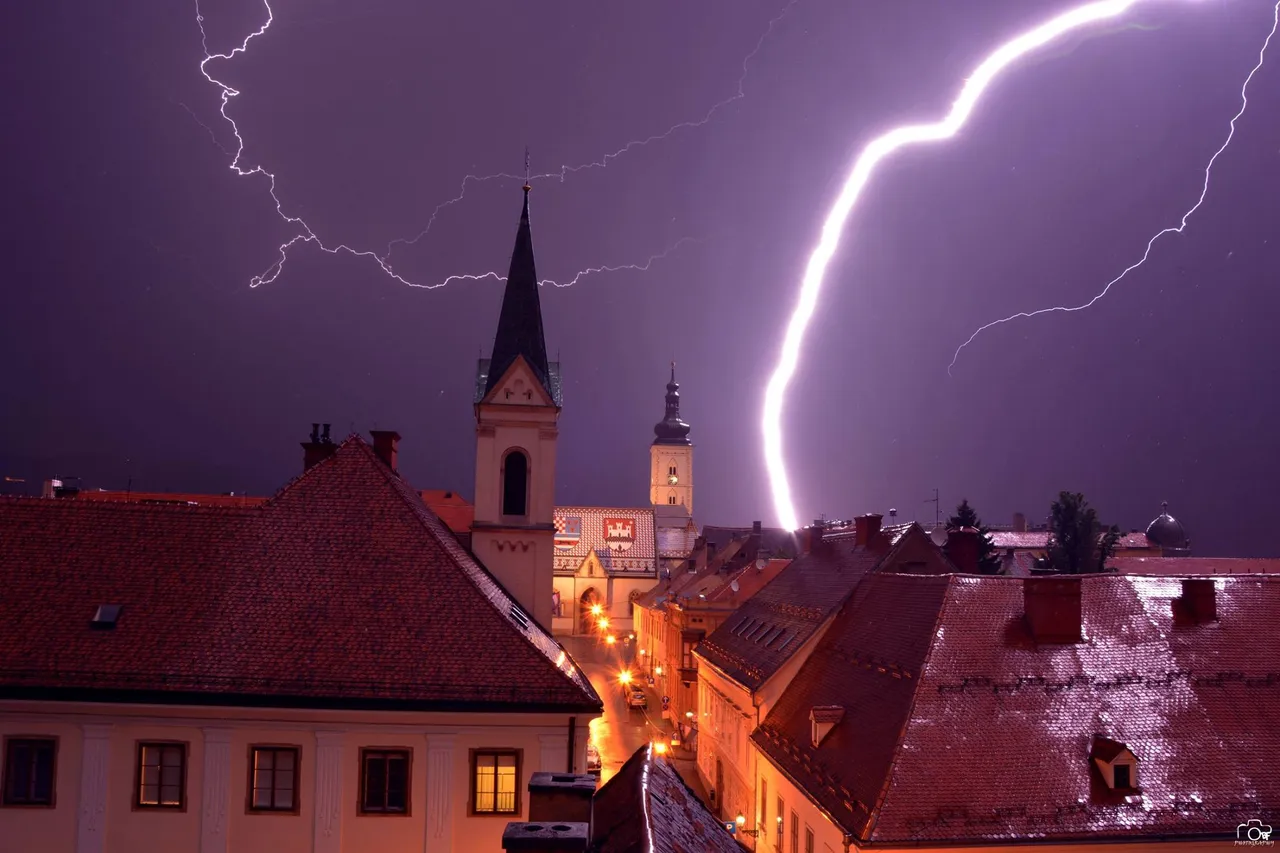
<point x="673" y="479"/>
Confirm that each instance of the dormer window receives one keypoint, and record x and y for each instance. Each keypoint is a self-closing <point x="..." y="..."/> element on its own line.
<point x="822" y="719"/>
<point x="1117" y="764"/>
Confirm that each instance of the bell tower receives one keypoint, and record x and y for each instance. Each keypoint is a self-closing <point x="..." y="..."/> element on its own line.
<point x="517" y="407"/>
<point x="671" y="455"/>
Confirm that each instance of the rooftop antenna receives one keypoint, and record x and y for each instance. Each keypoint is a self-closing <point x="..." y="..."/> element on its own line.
<point x="937" y="508"/>
<point x="527" y="186"/>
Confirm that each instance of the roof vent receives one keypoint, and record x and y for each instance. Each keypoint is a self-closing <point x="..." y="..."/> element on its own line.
<point x="1116" y="762"/>
<point x="822" y="719"/>
<point x="518" y="615"/>
<point x="104" y="619"/>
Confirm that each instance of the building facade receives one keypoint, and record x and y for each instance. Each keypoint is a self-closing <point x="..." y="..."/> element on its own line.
<point x="605" y="558"/>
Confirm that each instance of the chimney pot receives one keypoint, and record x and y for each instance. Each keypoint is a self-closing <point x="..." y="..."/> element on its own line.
<point x="546" y="837"/>
<point x="1019" y="523"/>
<point x="318" y="449"/>
<point x="962" y="549"/>
<point x="1052" y="608"/>
<point x="315" y="433"/>
<point x="865" y="528"/>
<point x="324" y="436"/>
<point x="386" y="444"/>
<point x="755" y="527"/>
<point x="561" y="797"/>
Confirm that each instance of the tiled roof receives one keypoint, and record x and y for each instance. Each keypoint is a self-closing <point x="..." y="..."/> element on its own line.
<point x="958" y="731"/>
<point x="648" y="808"/>
<point x="1190" y="566"/>
<point x="170" y="498"/>
<point x="766" y="631"/>
<point x="622" y="537"/>
<point x="676" y="542"/>
<point x="343" y="590"/>
<point x="1027" y="539"/>
<point x="451" y="508"/>
<point x="749" y="579"/>
<point x="776" y="541"/>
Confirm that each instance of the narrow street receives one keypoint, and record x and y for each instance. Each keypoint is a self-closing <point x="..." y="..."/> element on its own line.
<point x="620" y="731"/>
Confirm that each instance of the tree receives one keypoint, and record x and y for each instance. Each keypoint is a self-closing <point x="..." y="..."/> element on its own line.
<point x="988" y="561"/>
<point x="1078" y="543"/>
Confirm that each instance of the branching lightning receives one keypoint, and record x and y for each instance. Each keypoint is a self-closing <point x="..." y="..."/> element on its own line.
<point x="863" y="168"/>
<point x="307" y="235"/>
<point x="564" y="171"/>
<point x="1173" y="229"/>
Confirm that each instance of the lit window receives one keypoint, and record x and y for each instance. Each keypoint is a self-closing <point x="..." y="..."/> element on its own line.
<point x="384" y="781"/>
<point x="28" y="771"/>
<point x="162" y="775"/>
<point x="495" y="781"/>
<point x="273" y="781"/>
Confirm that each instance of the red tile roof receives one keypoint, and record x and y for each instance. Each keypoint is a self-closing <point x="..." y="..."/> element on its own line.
<point x="773" y="624"/>
<point x="165" y="498"/>
<point x="343" y="590"/>
<point x="648" y="808"/>
<point x="1190" y="566"/>
<point x="452" y="508"/>
<point x="955" y="732"/>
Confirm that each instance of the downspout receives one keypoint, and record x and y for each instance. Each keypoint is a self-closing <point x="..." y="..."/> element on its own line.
<point x="573" y="734"/>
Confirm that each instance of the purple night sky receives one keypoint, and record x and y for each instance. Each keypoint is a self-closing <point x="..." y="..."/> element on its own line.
<point x="135" y="346"/>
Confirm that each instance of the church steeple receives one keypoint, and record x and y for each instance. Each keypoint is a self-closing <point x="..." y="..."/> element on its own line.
<point x="520" y="323"/>
<point x="672" y="430"/>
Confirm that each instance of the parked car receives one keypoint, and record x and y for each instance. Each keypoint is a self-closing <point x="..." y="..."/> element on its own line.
<point x="593" y="759"/>
<point x="636" y="699"/>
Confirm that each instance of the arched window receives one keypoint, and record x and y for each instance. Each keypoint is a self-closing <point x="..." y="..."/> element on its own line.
<point x="515" y="484"/>
<point x="671" y="499"/>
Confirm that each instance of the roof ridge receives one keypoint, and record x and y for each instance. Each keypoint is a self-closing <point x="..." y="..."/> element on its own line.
<point x="328" y="460"/>
<point x="878" y="806"/>
<point x="465" y="562"/>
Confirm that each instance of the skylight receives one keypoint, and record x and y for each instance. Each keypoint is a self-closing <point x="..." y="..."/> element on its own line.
<point x="106" y="615"/>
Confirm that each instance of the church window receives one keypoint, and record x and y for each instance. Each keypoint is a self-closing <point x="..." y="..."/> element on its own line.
<point x="671" y="499"/>
<point x="671" y="470"/>
<point x="515" y="484"/>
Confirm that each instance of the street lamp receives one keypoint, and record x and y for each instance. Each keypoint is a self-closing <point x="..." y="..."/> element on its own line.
<point x="603" y="623"/>
<point x="657" y="670"/>
<point x="624" y="677"/>
<point x="741" y="821"/>
<point x="596" y="610"/>
<point x="660" y="748"/>
<point x="610" y="639"/>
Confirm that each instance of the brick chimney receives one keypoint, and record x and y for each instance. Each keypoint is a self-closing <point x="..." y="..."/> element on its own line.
<point x="561" y="797"/>
<point x="866" y="528"/>
<point x="1199" y="602"/>
<point x="962" y="549"/>
<point x="386" y="444"/>
<point x="546" y="837"/>
<point x="1052" y="608"/>
<point x="318" y="449"/>
<point x="1019" y="523"/>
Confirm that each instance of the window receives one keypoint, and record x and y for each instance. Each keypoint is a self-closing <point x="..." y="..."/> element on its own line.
<point x="515" y="484"/>
<point x="764" y="806"/>
<point x="273" y="779"/>
<point x="162" y="775"/>
<point x="671" y="471"/>
<point x="29" y="765"/>
<point x="384" y="781"/>
<point x="782" y="808"/>
<point x="671" y="500"/>
<point x="495" y="782"/>
<point x="1123" y="776"/>
<point x="795" y="833"/>
<point x="808" y="840"/>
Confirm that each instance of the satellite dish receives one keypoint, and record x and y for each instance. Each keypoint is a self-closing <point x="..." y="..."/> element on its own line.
<point x="939" y="535"/>
<point x="733" y="586"/>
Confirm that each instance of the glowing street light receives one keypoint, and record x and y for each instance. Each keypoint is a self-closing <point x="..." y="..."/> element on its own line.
<point x="624" y="677"/>
<point x="610" y="639"/>
<point x="660" y="748"/>
<point x="596" y="610"/>
<point x="603" y="623"/>
<point x="657" y="670"/>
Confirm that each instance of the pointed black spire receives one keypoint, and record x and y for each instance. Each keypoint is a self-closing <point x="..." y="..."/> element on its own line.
<point x="672" y="430"/>
<point x="520" y="323"/>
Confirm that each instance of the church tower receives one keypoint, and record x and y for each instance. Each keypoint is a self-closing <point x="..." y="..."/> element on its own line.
<point x="671" y="455"/>
<point x="517" y="406"/>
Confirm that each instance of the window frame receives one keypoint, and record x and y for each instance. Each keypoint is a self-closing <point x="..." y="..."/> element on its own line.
<point x="365" y="752"/>
<point x="139" y="746"/>
<point x="1129" y="771"/>
<point x="809" y="841"/>
<point x="795" y="832"/>
<point x="251" y="788"/>
<point x="53" y="773"/>
<point x="472" y="756"/>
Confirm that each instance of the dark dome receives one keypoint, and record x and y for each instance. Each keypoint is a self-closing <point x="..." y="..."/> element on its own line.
<point x="671" y="429"/>
<point x="1167" y="532"/>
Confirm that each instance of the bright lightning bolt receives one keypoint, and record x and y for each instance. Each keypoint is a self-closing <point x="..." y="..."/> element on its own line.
<point x="565" y="171"/>
<point x="1175" y="229"/>
<point x="863" y="168"/>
